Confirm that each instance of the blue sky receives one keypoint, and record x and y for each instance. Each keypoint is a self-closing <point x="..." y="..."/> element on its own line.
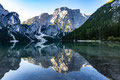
<point x="30" y="8"/>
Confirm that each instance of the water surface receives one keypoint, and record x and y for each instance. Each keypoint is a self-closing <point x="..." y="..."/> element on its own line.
<point x="57" y="61"/>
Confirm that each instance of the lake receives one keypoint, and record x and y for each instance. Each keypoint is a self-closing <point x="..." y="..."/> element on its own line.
<point x="60" y="61"/>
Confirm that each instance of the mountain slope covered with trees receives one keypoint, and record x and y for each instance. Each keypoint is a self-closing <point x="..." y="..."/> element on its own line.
<point x="104" y="24"/>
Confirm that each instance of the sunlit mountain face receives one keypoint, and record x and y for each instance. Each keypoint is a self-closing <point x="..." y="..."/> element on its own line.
<point x="53" y="61"/>
<point x="64" y="44"/>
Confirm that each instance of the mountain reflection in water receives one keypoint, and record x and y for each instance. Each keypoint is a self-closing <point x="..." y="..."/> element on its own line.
<point x="45" y="62"/>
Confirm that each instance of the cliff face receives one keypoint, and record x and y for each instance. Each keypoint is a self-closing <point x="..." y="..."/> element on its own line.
<point x="54" y="26"/>
<point x="68" y="19"/>
<point x="41" y="18"/>
<point x="62" y="21"/>
<point x="3" y="13"/>
<point x="10" y="27"/>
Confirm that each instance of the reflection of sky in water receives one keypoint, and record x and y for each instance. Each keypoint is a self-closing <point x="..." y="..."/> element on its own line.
<point x="28" y="71"/>
<point x="60" y="62"/>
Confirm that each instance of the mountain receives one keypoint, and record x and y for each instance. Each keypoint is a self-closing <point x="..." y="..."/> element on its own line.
<point x="40" y="28"/>
<point x="10" y="27"/>
<point x="62" y="21"/>
<point x="104" y="24"/>
<point x="31" y="20"/>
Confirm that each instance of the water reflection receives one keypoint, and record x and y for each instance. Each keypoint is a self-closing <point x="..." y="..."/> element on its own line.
<point x="105" y="57"/>
<point x="45" y="62"/>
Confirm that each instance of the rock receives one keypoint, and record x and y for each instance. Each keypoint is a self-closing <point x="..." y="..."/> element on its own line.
<point x="50" y="30"/>
<point x="31" y="20"/>
<point x="11" y="19"/>
<point x="62" y="21"/>
<point x="41" y="19"/>
<point x="32" y="30"/>
<point x="10" y="27"/>
<point x="68" y="18"/>
<point x="3" y="12"/>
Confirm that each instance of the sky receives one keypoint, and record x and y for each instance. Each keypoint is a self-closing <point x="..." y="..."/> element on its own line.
<point x="30" y="8"/>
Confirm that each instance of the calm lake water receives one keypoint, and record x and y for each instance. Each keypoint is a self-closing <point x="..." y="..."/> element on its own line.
<point x="58" y="61"/>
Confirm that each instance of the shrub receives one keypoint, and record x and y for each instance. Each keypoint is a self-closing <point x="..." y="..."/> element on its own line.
<point x="112" y="38"/>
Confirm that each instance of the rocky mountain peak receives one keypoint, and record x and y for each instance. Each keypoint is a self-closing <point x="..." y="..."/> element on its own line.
<point x="10" y="27"/>
<point x="62" y="21"/>
<point x="41" y="20"/>
<point x="65" y="9"/>
<point x="3" y="12"/>
<point x="44" y="15"/>
<point x="62" y="9"/>
<point x="11" y="19"/>
<point x="1" y="6"/>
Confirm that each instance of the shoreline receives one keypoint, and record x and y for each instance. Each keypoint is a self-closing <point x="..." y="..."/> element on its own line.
<point x="96" y="41"/>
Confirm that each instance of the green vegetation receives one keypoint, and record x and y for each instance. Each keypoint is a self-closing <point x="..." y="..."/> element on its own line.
<point x="56" y="22"/>
<point x="61" y="27"/>
<point x="52" y="24"/>
<point x="25" y="24"/>
<point x="99" y="26"/>
<point x="69" y="24"/>
<point x="112" y="38"/>
<point x="4" y="35"/>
